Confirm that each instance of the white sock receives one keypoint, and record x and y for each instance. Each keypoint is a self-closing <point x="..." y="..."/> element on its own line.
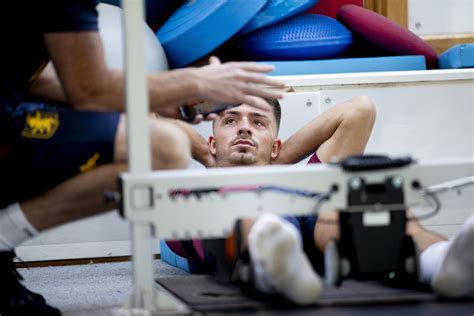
<point x="449" y="265"/>
<point x="279" y="261"/>
<point x="14" y="227"/>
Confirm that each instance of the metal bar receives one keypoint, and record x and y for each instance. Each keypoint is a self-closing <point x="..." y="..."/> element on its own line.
<point x="139" y="153"/>
<point x="379" y="78"/>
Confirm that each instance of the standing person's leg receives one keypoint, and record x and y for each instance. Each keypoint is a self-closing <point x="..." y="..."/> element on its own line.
<point x="82" y="196"/>
<point x="94" y="165"/>
<point x="67" y="174"/>
<point x="41" y="135"/>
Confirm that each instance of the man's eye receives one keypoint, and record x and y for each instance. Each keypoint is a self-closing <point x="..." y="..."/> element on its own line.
<point x="259" y="123"/>
<point x="229" y="121"/>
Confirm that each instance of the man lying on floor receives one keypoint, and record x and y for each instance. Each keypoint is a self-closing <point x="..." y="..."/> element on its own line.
<point x="284" y="252"/>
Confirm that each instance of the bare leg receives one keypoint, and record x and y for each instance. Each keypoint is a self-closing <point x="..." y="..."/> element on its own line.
<point x="73" y="199"/>
<point x="422" y="237"/>
<point x="170" y="145"/>
<point x="327" y="228"/>
<point x="246" y="225"/>
<point x="448" y="266"/>
<point x="82" y="195"/>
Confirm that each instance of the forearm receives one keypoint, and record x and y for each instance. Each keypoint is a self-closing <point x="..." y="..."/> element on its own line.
<point x="336" y="133"/>
<point x="300" y="145"/>
<point x="171" y="89"/>
<point x="199" y="147"/>
<point x="165" y="89"/>
<point x="310" y="137"/>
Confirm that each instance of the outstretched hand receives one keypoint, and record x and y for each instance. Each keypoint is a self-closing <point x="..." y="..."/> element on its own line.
<point x="236" y="82"/>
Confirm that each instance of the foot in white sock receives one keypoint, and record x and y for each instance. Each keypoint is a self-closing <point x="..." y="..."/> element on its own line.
<point x="455" y="275"/>
<point x="279" y="261"/>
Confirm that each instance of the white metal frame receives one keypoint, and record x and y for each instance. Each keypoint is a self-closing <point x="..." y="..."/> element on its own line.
<point x="212" y="215"/>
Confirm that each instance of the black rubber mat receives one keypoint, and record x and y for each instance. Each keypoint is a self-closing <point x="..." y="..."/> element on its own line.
<point x="203" y="294"/>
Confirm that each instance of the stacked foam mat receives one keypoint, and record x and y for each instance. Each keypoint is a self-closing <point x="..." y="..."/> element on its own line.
<point x="199" y="27"/>
<point x="280" y="30"/>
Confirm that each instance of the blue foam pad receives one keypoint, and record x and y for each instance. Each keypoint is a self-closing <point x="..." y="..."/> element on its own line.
<point x="168" y="256"/>
<point x="345" y="65"/>
<point x="305" y="36"/>
<point x="459" y="56"/>
<point x="198" y="27"/>
<point x="275" y="11"/>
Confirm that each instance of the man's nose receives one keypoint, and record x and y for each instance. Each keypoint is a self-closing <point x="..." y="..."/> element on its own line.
<point x="244" y="128"/>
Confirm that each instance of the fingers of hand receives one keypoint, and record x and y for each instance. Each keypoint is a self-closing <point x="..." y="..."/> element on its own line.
<point x="254" y="90"/>
<point x="210" y="117"/>
<point x="213" y="60"/>
<point x="258" y="103"/>
<point x="197" y="119"/>
<point x="259" y="79"/>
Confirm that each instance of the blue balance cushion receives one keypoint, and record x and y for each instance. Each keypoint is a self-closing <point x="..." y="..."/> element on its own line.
<point x="459" y="56"/>
<point x="347" y="65"/>
<point x="198" y="27"/>
<point x="168" y="256"/>
<point x="275" y="11"/>
<point x="305" y="36"/>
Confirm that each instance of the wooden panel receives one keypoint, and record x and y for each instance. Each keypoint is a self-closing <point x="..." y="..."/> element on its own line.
<point x="396" y="11"/>
<point x="442" y="43"/>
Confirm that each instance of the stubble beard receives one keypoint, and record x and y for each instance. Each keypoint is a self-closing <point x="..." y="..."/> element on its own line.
<point x="242" y="159"/>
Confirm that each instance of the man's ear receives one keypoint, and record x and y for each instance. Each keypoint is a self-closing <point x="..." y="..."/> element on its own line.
<point x="276" y="148"/>
<point x="211" y="141"/>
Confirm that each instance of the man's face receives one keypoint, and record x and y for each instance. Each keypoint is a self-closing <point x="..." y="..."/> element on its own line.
<point x="245" y="135"/>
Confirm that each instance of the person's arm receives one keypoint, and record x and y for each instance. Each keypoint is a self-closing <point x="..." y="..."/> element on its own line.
<point x="199" y="146"/>
<point x="87" y="83"/>
<point x="340" y="131"/>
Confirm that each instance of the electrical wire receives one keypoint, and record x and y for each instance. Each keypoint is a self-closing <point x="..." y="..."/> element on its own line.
<point x="433" y="191"/>
<point x="430" y="194"/>
<point x="431" y="213"/>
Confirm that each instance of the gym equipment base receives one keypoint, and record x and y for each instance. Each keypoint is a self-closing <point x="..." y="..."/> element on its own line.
<point x="203" y="294"/>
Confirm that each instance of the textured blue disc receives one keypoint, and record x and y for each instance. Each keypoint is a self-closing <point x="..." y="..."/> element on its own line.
<point x="275" y="11"/>
<point x="200" y="26"/>
<point x="305" y="36"/>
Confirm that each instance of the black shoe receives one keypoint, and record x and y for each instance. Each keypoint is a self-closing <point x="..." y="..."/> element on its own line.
<point x="15" y="299"/>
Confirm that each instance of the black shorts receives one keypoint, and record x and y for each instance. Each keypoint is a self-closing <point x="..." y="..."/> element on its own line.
<point x="50" y="144"/>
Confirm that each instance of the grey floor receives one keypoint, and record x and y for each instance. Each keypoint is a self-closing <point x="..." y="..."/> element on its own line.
<point x="98" y="289"/>
<point x="91" y="289"/>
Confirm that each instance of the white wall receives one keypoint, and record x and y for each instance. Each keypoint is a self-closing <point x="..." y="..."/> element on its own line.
<point x="441" y="17"/>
